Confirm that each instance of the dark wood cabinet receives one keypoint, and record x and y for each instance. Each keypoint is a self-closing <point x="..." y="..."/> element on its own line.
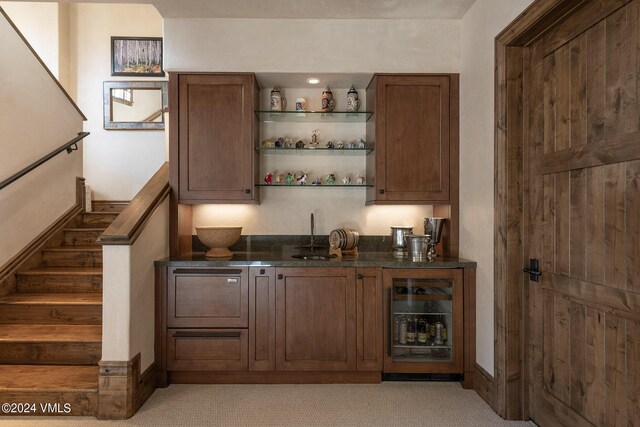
<point x="262" y="319"/>
<point x="414" y="131"/>
<point x="213" y="133"/>
<point x="369" y="319"/>
<point x="207" y="349"/>
<point x="207" y="298"/>
<point x="315" y="319"/>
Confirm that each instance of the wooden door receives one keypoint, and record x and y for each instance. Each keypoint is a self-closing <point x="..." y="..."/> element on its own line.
<point x="369" y="319"/>
<point x="216" y="137"/>
<point x="412" y="138"/>
<point x="315" y="319"/>
<point x="582" y="214"/>
<point x="262" y="319"/>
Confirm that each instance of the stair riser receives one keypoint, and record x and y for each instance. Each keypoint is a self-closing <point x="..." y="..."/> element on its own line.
<point x="67" y="353"/>
<point x="81" y="403"/>
<point x="72" y="258"/>
<point x="98" y="220"/>
<point x="75" y="237"/>
<point x="71" y="283"/>
<point x="58" y="314"/>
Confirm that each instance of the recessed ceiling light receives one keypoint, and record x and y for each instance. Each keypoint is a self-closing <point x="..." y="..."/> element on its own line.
<point x="313" y="81"/>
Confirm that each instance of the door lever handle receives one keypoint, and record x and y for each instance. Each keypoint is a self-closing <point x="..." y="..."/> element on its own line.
<point x="534" y="273"/>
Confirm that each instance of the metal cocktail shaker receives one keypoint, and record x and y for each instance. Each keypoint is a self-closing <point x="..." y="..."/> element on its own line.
<point x="398" y="243"/>
<point x="433" y="226"/>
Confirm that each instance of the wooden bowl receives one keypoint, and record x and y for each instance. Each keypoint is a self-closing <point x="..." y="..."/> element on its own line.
<point x="218" y="239"/>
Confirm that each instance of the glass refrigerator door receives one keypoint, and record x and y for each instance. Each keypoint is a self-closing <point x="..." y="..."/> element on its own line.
<point x="422" y="311"/>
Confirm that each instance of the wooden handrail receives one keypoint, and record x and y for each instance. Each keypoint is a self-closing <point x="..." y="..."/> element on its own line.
<point x="128" y="225"/>
<point x="65" y="147"/>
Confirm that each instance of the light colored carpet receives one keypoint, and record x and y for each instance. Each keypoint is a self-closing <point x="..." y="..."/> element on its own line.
<point x="436" y="404"/>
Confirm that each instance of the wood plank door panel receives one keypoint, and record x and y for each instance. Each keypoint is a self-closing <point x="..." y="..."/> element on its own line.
<point x="582" y="213"/>
<point x="315" y="319"/>
<point x="216" y="150"/>
<point x="369" y="319"/>
<point x="262" y="319"/>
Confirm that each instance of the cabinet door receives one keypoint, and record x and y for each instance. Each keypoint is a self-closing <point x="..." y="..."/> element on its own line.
<point x="207" y="297"/>
<point x="206" y="349"/>
<point x="216" y="138"/>
<point x="369" y="319"/>
<point x="412" y="138"/>
<point x="262" y="319"/>
<point x="424" y="321"/>
<point x="315" y="319"/>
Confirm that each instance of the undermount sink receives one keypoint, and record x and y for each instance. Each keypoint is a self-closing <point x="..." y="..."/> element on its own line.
<point x="312" y="257"/>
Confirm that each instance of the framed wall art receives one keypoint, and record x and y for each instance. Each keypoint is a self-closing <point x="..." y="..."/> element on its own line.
<point x="136" y="56"/>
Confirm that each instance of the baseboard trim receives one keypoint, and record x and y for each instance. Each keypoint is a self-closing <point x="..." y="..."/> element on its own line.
<point x="30" y="254"/>
<point x="254" y="377"/>
<point x="485" y="386"/>
<point x="122" y="389"/>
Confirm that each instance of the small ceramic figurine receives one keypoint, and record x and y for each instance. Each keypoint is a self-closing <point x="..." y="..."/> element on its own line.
<point x="360" y="180"/>
<point x="329" y="144"/>
<point x="313" y="145"/>
<point x="268" y="178"/>
<point x="280" y="179"/>
<point x="331" y="179"/>
<point x="302" y="179"/>
<point x="316" y="182"/>
<point x="362" y="143"/>
<point x="279" y="143"/>
<point x="340" y="145"/>
<point x="328" y="103"/>
<point x="267" y="143"/>
<point x="300" y="144"/>
<point x="277" y="100"/>
<point x="351" y="145"/>
<point x="289" y="179"/>
<point x="352" y="100"/>
<point x="288" y="143"/>
<point x="346" y="180"/>
<point x="314" y="136"/>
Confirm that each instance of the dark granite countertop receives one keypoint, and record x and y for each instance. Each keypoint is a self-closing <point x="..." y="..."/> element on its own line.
<point x="283" y="259"/>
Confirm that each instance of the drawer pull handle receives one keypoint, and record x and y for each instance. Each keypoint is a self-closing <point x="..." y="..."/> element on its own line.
<point x="205" y="335"/>
<point x="262" y="271"/>
<point x="232" y="280"/>
<point x="220" y="272"/>
<point x="359" y="276"/>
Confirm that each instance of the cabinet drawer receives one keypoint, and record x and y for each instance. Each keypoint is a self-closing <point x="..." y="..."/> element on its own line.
<point x="207" y="349"/>
<point x="208" y="297"/>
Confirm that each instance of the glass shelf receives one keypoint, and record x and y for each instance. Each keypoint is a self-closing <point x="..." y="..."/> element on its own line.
<point x="315" y="186"/>
<point x="314" y="116"/>
<point x="314" y="151"/>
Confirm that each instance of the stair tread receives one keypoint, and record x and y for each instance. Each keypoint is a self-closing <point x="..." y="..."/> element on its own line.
<point x="53" y="298"/>
<point x="72" y="248"/>
<point x="63" y="271"/>
<point x="50" y="333"/>
<point x="48" y="377"/>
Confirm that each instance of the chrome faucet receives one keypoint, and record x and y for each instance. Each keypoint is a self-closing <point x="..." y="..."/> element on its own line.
<point x="313" y="231"/>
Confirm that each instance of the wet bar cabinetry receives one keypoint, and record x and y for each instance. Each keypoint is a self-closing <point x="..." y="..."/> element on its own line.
<point x="309" y="324"/>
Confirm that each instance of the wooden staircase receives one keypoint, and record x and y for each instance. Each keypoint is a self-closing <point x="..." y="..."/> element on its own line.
<point x="51" y="327"/>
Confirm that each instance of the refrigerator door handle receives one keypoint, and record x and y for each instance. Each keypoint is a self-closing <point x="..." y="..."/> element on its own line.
<point x="389" y="322"/>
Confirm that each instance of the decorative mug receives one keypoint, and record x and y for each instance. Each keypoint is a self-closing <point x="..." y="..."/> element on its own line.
<point x="353" y="103"/>
<point x="328" y="102"/>
<point x="301" y="104"/>
<point x="277" y="101"/>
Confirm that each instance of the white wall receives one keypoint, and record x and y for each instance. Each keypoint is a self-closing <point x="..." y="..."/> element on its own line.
<point x="484" y="20"/>
<point x="39" y="24"/>
<point x="36" y="118"/>
<point x="128" y="295"/>
<point x="117" y="163"/>
<point x="338" y="46"/>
